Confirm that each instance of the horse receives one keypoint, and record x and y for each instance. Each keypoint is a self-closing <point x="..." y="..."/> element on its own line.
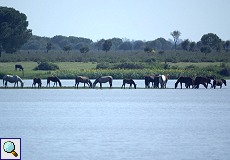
<point x="38" y="81"/>
<point x="12" y="79"/>
<point x="219" y="82"/>
<point x="55" y="80"/>
<point x="202" y="80"/>
<point x="18" y="66"/>
<point x="187" y="80"/>
<point x="149" y="79"/>
<point x="163" y="79"/>
<point x="84" y="80"/>
<point x="103" y="79"/>
<point x="128" y="81"/>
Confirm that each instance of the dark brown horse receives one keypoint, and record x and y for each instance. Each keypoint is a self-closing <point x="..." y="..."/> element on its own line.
<point x="130" y="82"/>
<point x="55" y="80"/>
<point x="18" y="66"/>
<point x="148" y="80"/>
<point x="103" y="79"/>
<point x="202" y="80"/>
<point x="84" y="80"/>
<point x="219" y="82"/>
<point x="187" y="80"/>
<point x="155" y="80"/>
<point x="38" y="81"/>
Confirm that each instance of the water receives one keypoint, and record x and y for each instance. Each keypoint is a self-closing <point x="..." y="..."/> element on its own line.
<point x="118" y="124"/>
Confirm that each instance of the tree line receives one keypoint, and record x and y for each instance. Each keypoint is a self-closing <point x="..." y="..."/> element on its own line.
<point x="14" y="36"/>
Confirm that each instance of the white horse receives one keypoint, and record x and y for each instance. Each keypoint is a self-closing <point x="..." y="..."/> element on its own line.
<point x="163" y="79"/>
<point x="12" y="79"/>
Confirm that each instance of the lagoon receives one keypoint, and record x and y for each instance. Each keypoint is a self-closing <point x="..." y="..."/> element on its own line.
<point x="118" y="124"/>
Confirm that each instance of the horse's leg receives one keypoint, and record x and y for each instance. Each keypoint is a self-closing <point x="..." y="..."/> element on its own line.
<point x="100" y="85"/>
<point x="180" y="85"/>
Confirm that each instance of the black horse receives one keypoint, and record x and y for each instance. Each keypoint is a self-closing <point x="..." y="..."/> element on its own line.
<point x="38" y="81"/>
<point x="130" y="82"/>
<point x="155" y="80"/>
<point x="219" y="82"/>
<point x="55" y="80"/>
<point x="202" y="80"/>
<point x="18" y="66"/>
<point x="187" y="80"/>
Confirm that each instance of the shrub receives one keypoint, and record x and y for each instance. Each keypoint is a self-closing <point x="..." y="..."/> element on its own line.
<point x="46" y="66"/>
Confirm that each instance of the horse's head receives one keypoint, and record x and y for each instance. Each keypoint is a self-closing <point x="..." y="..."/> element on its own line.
<point x="90" y="84"/>
<point x="224" y="81"/>
<point x="22" y="84"/>
<point x="95" y="82"/>
<point x="135" y="86"/>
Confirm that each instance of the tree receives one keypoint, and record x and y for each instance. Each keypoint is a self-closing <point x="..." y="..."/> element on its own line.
<point x="48" y="47"/>
<point x="205" y="50"/>
<point x="175" y="35"/>
<point x="107" y="45"/>
<point x="185" y="44"/>
<point x="192" y="46"/>
<point x="84" y="49"/>
<point x="211" y="40"/>
<point x="127" y="45"/>
<point x="99" y="44"/>
<point x="227" y="45"/>
<point x="13" y="30"/>
<point x="67" y="48"/>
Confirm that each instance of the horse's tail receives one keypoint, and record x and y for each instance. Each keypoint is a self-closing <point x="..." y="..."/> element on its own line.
<point x="59" y="82"/>
<point x="146" y="82"/>
<point x="111" y="81"/>
<point x="48" y="81"/>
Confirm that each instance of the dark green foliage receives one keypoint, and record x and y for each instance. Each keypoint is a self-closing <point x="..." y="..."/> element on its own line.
<point x="67" y="48"/>
<point x="84" y="49"/>
<point x="46" y="66"/>
<point x="13" y="29"/>
<point x="211" y="40"/>
<point x="106" y="45"/>
<point x="148" y="49"/>
<point x="205" y="49"/>
<point x="48" y="47"/>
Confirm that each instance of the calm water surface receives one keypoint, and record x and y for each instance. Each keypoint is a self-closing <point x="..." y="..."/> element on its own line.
<point x="118" y="124"/>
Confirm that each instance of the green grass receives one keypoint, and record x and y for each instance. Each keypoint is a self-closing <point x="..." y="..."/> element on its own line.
<point x="69" y="70"/>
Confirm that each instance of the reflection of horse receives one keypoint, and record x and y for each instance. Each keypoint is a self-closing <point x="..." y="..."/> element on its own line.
<point x="163" y="79"/>
<point x="187" y="80"/>
<point x="12" y="79"/>
<point x="103" y="79"/>
<point x="53" y="79"/>
<point x="202" y="80"/>
<point x="84" y="80"/>
<point x="18" y="66"/>
<point x="38" y="81"/>
<point x="128" y="81"/>
<point x="219" y="82"/>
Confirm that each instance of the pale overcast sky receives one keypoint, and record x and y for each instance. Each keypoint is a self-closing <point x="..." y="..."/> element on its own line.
<point x="131" y="19"/>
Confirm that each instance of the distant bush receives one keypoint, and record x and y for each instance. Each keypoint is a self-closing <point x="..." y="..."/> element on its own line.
<point x="46" y="66"/>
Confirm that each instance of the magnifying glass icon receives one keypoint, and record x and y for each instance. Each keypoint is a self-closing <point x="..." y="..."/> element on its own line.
<point x="9" y="147"/>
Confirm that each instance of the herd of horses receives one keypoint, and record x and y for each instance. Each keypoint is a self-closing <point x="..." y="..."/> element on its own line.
<point x="153" y="81"/>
